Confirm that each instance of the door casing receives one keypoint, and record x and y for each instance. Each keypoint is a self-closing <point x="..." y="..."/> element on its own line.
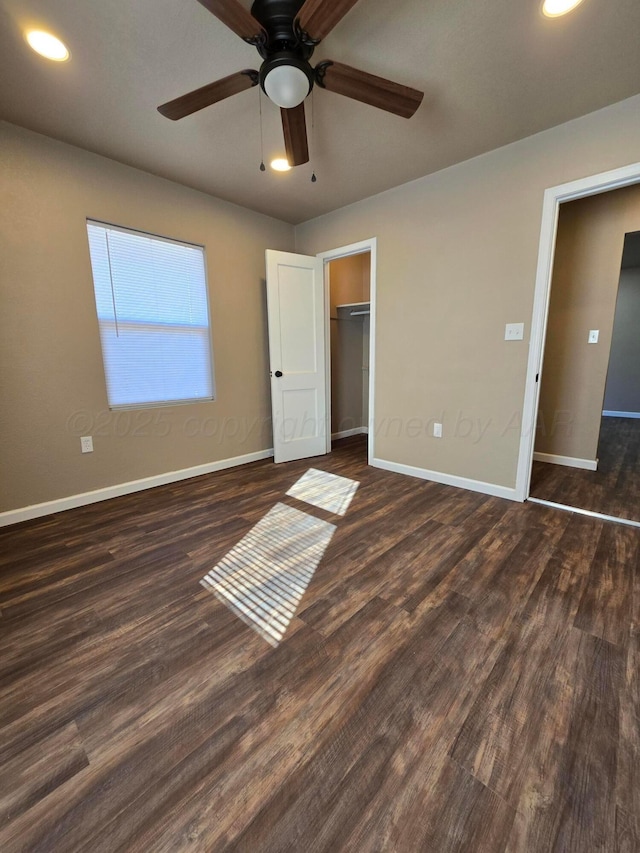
<point x="359" y="248"/>
<point x="553" y="198"/>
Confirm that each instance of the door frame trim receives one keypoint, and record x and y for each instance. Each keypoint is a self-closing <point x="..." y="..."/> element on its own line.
<point x="553" y="198"/>
<point x="360" y="248"/>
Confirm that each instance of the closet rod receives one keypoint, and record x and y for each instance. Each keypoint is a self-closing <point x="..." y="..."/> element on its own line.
<point x="358" y="313"/>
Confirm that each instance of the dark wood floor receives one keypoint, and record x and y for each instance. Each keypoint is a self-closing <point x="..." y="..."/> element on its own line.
<point x="463" y="675"/>
<point x="614" y="489"/>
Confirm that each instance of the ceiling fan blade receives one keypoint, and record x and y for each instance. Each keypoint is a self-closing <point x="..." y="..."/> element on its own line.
<point x="294" y="126"/>
<point x="210" y="94"/>
<point x="319" y="17"/>
<point x="375" y="91"/>
<point x="235" y="16"/>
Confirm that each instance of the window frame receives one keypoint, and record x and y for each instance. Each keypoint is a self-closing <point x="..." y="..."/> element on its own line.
<point x="101" y="223"/>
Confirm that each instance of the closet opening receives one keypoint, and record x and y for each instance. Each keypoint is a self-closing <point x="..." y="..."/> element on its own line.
<point x="349" y="306"/>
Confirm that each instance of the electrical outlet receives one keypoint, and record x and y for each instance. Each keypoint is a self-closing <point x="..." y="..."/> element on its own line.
<point x="594" y="334"/>
<point x="514" y="332"/>
<point x="86" y="444"/>
<point x="437" y="430"/>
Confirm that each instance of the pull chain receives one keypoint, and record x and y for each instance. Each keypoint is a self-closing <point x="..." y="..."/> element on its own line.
<point x="313" y="133"/>
<point x="262" y="166"/>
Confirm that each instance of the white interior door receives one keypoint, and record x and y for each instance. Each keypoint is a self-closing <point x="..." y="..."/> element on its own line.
<point x="295" y="305"/>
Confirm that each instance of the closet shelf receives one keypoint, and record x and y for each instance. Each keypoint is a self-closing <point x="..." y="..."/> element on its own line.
<point x="357" y="309"/>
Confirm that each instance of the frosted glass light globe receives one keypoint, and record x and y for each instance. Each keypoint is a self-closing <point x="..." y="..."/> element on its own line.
<point x="287" y="86"/>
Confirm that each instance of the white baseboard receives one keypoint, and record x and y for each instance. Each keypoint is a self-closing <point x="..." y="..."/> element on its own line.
<point x="610" y="414"/>
<point x="614" y="518"/>
<point x="37" y="510"/>
<point x="448" y="479"/>
<point x="347" y="433"/>
<point x="568" y="461"/>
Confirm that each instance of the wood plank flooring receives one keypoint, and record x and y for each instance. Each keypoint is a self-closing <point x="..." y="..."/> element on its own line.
<point x="463" y="674"/>
<point x="614" y="489"/>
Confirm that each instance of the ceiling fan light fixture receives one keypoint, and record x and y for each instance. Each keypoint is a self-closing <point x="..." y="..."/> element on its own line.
<point x="286" y="85"/>
<point x="556" y="8"/>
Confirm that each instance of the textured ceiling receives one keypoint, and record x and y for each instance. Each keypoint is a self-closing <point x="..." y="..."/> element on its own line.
<point x="493" y="71"/>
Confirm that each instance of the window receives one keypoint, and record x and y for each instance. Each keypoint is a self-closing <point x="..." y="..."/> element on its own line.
<point x="151" y="299"/>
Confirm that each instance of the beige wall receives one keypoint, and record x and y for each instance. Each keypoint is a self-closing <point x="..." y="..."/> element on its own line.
<point x="584" y="288"/>
<point x="349" y="282"/>
<point x="622" y="393"/>
<point x="457" y="254"/>
<point x="51" y="375"/>
<point x="457" y="258"/>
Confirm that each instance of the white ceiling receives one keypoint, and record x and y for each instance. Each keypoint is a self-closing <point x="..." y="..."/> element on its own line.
<point x="493" y="71"/>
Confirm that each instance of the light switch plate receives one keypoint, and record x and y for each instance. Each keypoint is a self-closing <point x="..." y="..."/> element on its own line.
<point x="514" y="332"/>
<point x="594" y="334"/>
<point x="86" y="443"/>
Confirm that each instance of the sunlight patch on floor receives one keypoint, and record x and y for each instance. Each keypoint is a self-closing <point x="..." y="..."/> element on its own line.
<point x="263" y="578"/>
<point x="324" y="490"/>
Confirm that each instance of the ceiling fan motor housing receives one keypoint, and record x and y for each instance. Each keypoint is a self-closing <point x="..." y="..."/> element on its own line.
<point x="277" y="19"/>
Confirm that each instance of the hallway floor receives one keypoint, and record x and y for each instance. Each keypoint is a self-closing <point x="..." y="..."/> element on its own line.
<point x="614" y="489"/>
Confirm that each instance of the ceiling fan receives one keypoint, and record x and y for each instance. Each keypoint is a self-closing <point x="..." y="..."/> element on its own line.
<point x="285" y="33"/>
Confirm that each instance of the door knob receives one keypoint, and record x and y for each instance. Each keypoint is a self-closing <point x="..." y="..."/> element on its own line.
<point x="278" y="374"/>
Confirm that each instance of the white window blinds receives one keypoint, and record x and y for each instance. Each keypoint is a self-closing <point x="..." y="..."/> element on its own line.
<point x="151" y="299"/>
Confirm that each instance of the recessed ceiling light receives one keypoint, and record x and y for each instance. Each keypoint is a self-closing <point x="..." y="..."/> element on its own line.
<point x="555" y="8"/>
<point x="47" y="45"/>
<point x="280" y="165"/>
